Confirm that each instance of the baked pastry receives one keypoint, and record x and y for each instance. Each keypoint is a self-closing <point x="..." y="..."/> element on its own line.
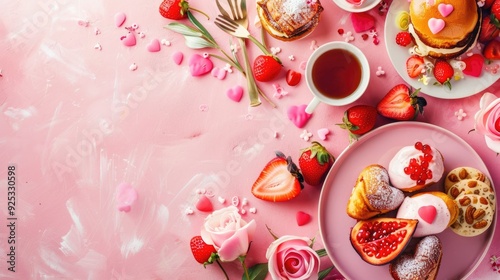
<point x="475" y="216"/>
<point x="464" y="173"/>
<point x="372" y="195"/>
<point x="289" y="20"/>
<point x="444" y="28"/>
<point x="435" y="212"/>
<point x="416" y="167"/>
<point x="423" y="264"/>
<point x="473" y="186"/>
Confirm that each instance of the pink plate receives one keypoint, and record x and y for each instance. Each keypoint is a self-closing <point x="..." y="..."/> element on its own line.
<point x="461" y="255"/>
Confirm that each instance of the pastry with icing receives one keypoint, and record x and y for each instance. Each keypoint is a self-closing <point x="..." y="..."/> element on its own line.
<point x="372" y="195"/>
<point x="435" y="212"/>
<point x="289" y="20"/>
<point x="423" y="264"/>
<point x="415" y="167"/>
<point x="444" y="28"/>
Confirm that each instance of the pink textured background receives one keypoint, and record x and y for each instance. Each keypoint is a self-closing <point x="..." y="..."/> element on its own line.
<point x="76" y="122"/>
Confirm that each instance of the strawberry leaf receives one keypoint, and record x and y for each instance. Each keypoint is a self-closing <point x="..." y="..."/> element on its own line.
<point x="257" y="272"/>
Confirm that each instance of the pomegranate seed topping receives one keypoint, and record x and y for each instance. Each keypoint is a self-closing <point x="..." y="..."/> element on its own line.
<point x="418" y="146"/>
<point x="428" y="157"/>
<point x="426" y="149"/>
<point x="417" y="167"/>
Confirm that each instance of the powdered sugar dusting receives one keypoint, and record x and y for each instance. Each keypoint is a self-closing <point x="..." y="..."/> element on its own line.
<point x="294" y="8"/>
<point x="427" y="257"/>
<point x="381" y="195"/>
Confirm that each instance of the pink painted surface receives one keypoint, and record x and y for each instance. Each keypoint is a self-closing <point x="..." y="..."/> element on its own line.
<point x="77" y="121"/>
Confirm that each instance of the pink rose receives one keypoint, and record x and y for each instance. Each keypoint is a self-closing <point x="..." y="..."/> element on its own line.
<point x="291" y="257"/>
<point x="229" y="234"/>
<point x="487" y="120"/>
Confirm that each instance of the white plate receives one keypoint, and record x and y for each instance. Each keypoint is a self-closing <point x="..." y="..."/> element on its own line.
<point x="367" y="5"/>
<point x="461" y="255"/>
<point x="398" y="55"/>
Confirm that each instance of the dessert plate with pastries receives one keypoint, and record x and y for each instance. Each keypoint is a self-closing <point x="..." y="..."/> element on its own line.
<point x="440" y="30"/>
<point x="409" y="200"/>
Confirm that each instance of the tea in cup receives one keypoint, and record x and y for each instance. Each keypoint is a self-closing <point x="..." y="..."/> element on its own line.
<point x="337" y="73"/>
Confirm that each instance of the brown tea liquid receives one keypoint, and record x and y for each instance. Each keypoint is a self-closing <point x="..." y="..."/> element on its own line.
<point x="336" y="73"/>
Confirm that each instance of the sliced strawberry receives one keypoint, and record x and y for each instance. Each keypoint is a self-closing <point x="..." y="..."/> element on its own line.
<point x="492" y="50"/>
<point x="280" y="180"/>
<point x="202" y="252"/>
<point x="415" y="65"/>
<point x="401" y="104"/>
<point x="489" y="30"/>
<point x="293" y="77"/>
<point x="495" y="9"/>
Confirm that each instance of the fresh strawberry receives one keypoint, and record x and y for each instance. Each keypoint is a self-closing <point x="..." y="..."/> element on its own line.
<point x="443" y="72"/>
<point x="280" y="180"/>
<point x="176" y="9"/>
<point x="202" y="252"/>
<point x="314" y="163"/>
<point x="401" y="104"/>
<point x="489" y="30"/>
<point x="473" y="65"/>
<point x="266" y="68"/>
<point x="293" y="77"/>
<point x="492" y="50"/>
<point x="415" y="65"/>
<point x="358" y="120"/>
<point x="403" y="38"/>
<point x="495" y="9"/>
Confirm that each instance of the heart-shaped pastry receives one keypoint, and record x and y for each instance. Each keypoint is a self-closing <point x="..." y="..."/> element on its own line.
<point x="200" y="65"/>
<point x="427" y="213"/>
<point x="298" y="115"/>
<point x="423" y="264"/>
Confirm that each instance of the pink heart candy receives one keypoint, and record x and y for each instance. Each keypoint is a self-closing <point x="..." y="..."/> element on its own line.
<point x="235" y="93"/>
<point x="177" y="57"/>
<point x="302" y="218"/>
<point x="126" y="197"/>
<point x="473" y="65"/>
<point x="120" y="19"/>
<point x="362" y="21"/>
<point x="199" y="65"/>
<point x="219" y="73"/>
<point x="427" y="213"/>
<point x="204" y="204"/>
<point x="435" y="25"/>
<point x="298" y="115"/>
<point x="129" y="40"/>
<point x="154" y="46"/>
<point x="445" y="9"/>
<point x="322" y="133"/>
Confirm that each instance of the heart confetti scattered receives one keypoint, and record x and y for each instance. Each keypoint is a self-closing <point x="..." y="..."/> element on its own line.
<point x="129" y="40"/>
<point x="322" y="133"/>
<point x="154" y="46"/>
<point x="219" y="73"/>
<point x="302" y="218"/>
<point x="126" y="197"/>
<point x="120" y="19"/>
<point x="298" y="115"/>
<point x="199" y="65"/>
<point x="204" y="204"/>
<point x="362" y="21"/>
<point x="235" y="93"/>
<point x="177" y="57"/>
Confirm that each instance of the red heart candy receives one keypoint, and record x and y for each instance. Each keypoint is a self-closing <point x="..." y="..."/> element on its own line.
<point x="427" y="213"/>
<point x="293" y="77"/>
<point x="362" y="22"/>
<point x="473" y="65"/>
<point x="298" y="115"/>
<point x="204" y="204"/>
<point x="302" y="218"/>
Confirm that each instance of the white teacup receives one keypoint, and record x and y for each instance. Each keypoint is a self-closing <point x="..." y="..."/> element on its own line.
<point x="337" y="73"/>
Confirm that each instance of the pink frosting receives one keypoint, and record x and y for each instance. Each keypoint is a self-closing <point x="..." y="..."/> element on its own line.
<point x="402" y="158"/>
<point x="486" y="118"/>
<point x="409" y="209"/>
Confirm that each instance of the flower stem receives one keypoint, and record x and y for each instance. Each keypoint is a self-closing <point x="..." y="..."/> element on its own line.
<point x="223" y="270"/>
<point x="245" y="269"/>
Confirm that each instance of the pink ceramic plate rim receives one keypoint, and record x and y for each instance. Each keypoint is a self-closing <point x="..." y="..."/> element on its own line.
<point x="379" y="146"/>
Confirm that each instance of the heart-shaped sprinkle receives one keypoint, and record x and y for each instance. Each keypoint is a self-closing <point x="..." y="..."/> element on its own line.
<point x="445" y="9"/>
<point x="435" y="25"/>
<point x="322" y="133"/>
<point x="177" y="57"/>
<point x="362" y="21"/>
<point x="199" y="65"/>
<point x="154" y="46"/>
<point x="302" y="218"/>
<point x="298" y="115"/>
<point x="129" y="40"/>
<point x="473" y="65"/>
<point x="120" y="19"/>
<point x="125" y="197"/>
<point x="427" y="213"/>
<point x="219" y="73"/>
<point x="235" y="93"/>
<point x="204" y="204"/>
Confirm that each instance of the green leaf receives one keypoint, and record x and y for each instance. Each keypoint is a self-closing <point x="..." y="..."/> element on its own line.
<point x="257" y="272"/>
<point x="184" y="29"/>
<point x="321" y="252"/>
<point x="198" y="42"/>
<point x="322" y="274"/>
<point x="200" y="26"/>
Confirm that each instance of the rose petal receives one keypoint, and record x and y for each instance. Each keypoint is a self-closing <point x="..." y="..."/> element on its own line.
<point x="237" y="245"/>
<point x="492" y="144"/>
